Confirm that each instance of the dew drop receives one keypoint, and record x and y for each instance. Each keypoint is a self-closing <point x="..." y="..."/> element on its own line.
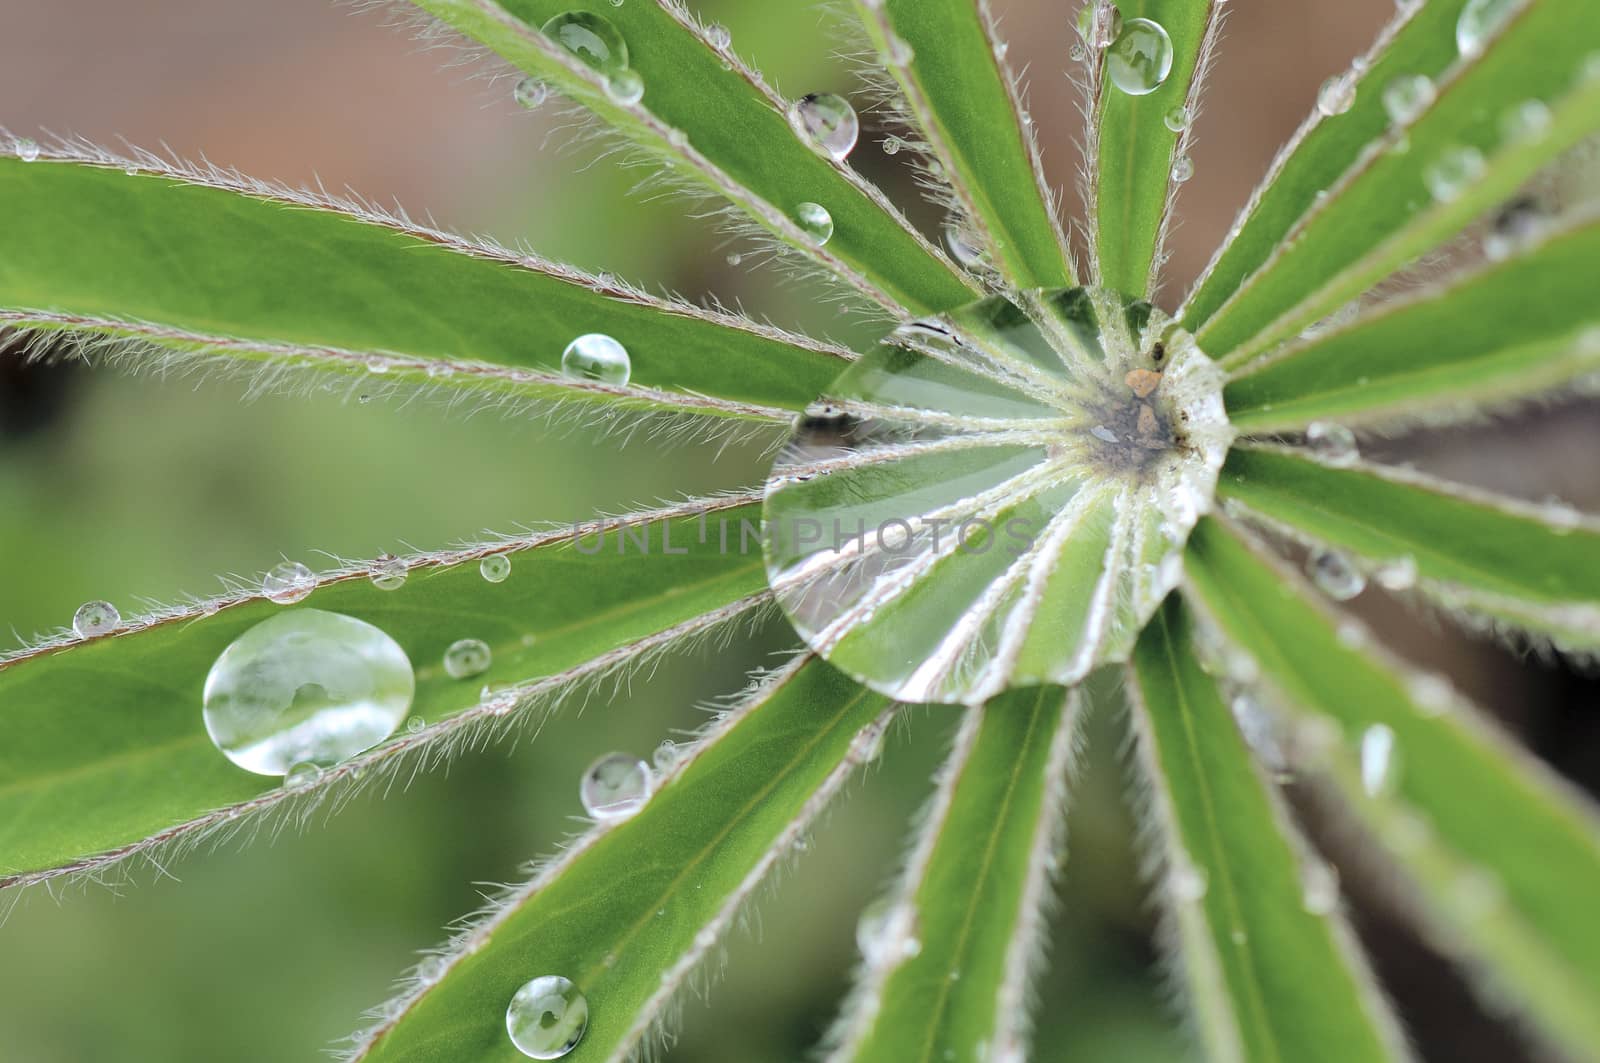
<point x="1337" y="95"/>
<point x="615" y="786"/>
<point x="1335" y="575"/>
<point x="1182" y="169"/>
<point x="388" y="573"/>
<point x="900" y="51"/>
<point x="886" y="932"/>
<point x="815" y="222"/>
<point x="1178" y="119"/>
<point x="1399" y="574"/>
<point x="963" y="246"/>
<point x="1099" y="32"/>
<point x="719" y="37"/>
<point x="1525" y="121"/>
<point x="28" y="150"/>
<point x="95" y="618"/>
<point x="1259" y="730"/>
<point x="288" y="582"/>
<point x="1379" y="764"/>
<point x="530" y="93"/>
<point x="547" y="1017"/>
<point x="1407" y="96"/>
<point x="306" y="686"/>
<point x="302" y="774"/>
<point x="1332" y="444"/>
<point x="416" y="725"/>
<point x="827" y="122"/>
<point x="626" y="87"/>
<point x="1139" y="61"/>
<point x="1453" y="171"/>
<point x="1078" y="53"/>
<point x="597" y="357"/>
<point x="1480" y="20"/>
<point x="1188" y="882"/>
<point x="892" y="145"/>
<point x="666" y="756"/>
<point x="466" y="658"/>
<point x="495" y="568"/>
<point x="591" y="39"/>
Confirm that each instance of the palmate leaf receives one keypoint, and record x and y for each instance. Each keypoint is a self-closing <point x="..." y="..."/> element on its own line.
<point x="630" y="909"/>
<point x="110" y="759"/>
<point x="949" y="967"/>
<point x="1511" y="565"/>
<point x="212" y="264"/>
<point x="1270" y="969"/>
<point x="720" y="127"/>
<point x="1466" y="152"/>
<point x="1503" y="857"/>
<point x="947" y="60"/>
<point x="1516" y="328"/>
<point x="1134" y="149"/>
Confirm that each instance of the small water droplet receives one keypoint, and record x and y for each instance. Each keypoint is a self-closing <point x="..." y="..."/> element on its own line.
<point x="1332" y="444"/>
<point x="95" y="618"/>
<point x="1077" y="53"/>
<point x="495" y="568"/>
<point x="719" y="36"/>
<point x="1451" y="173"/>
<point x="306" y="685"/>
<point x="627" y="88"/>
<point x="1407" y="96"/>
<point x="1259" y="730"/>
<point x="27" y="150"/>
<point x="389" y="573"/>
<point x="597" y="357"/>
<point x="1182" y="169"/>
<point x="591" y="39"/>
<point x="1320" y="888"/>
<point x="1337" y="95"/>
<point x="547" y="1017"/>
<point x="1480" y="20"/>
<point x="827" y="122"/>
<point x="666" y="756"/>
<point x="416" y="725"/>
<point x="734" y="258"/>
<point x="1099" y="23"/>
<point x="1139" y="61"/>
<point x="288" y="582"/>
<point x="1432" y="693"/>
<point x="815" y="222"/>
<point x="1188" y="882"/>
<point x="466" y="658"/>
<point x="1397" y="574"/>
<point x="1178" y="119"/>
<point x="615" y="786"/>
<point x="964" y="246"/>
<point x="1379" y="762"/>
<point x="530" y="93"/>
<point x="300" y="774"/>
<point x="892" y="145"/>
<point x="900" y="50"/>
<point x="1335" y="575"/>
<point x="886" y="932"/>
<point x="1525" y="121"/>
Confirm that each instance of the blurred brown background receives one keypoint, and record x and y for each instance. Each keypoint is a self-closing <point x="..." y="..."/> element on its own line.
<point x="126" y="487"/>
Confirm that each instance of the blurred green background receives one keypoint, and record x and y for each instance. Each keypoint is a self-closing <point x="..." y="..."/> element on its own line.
<point x="134" y="488"/>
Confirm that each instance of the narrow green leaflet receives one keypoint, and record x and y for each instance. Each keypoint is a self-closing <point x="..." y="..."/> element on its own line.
<point x="1516" y="328"/>
<point x="1522" y="567"/>
<point x="947" y="62"/>
<point x="949" y="957"/>
<point x="720" y="127"/>
<point x="208" y="262"/>
<point x="1139" y="156"/>
<point x="1505" y="855"/>
<point x="628" y="912"/>
<point x="1499" y="116"/>
<point x="108" y="755"/>
<point x="1272" y="972"/>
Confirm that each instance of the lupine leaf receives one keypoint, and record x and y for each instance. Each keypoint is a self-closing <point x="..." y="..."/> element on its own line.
<point x="721" y="127"/>
<point x="1524" y="567"/>
<point x="628" y="911"/>
<point x="1272" y="972"/>
<point x="205" y="262"/>
<point x="1135" y="150"/>
<point x="1459" y="160"/>
<point x="971" y="894"/>
<point x="961" y="96"/>
<point x="1505" y="855"/>
<point x="109" y="756"/>
<point x="1512" y="329"/>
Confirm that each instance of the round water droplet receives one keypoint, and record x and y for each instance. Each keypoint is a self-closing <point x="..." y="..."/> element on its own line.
<point x="306" y="685"/>
<point x="95" y="618"/>
<point x="1139" y="61"/>
<point x="389" y="573"/>
<point x="1399" y="574"/>
<point x="615" y="786"/>
<point x="592" y="39"/>
<point x="1335" y="575"/>
<point x="1379" y="760"/>
<point x="416" y="725"/>
<point x="1337" y="95"/>
<point x="1332" y="444"/>
<point x="530" y="93"/>
<point x="626" y="87"/>
<point x="964" y="246"/>
<point x="466" y="658"/>
<point x="495" y="568"/>
<point x="547" y="1017"/>
<point x="1408" y="96"/>
<point x="1454" y="170"/>
<point x="288" y="582"/>
<point x="815" y="222"/>
<point x="27" y="150"/>
<point x="1178" y="119"/>
<point x="304" y="773"/>
<point x="1479" y="21"/>
<point x="1099" y="23"/>
<point x="1182" y="169"/>
<point x="892" y="145"/>
<point x="826" y="121"/>
<point x="666" y="756"/>
<point x="597" y="357"/>
<point x="1525" y="121"/>
<point x="719" y="36"/>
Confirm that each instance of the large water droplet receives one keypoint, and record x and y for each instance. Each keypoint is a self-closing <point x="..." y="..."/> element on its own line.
<point x="1337" y="95"/>
<point x="828" y="122"/>
<point x="592" y="39"/>
<point x="1480" y="20"/>
<point x="306" y="685"/>
<point x="1407" y="96"/>
<point x="95" y="618"/>
<point x="1450" y="174"/>
<point x="1139" y="61"/>
<point x="1333" y="444"/>
<point x="389" y="573"/>
<point x="815" y="222"/>
<point x="598" y="357"/>
<point x="547" y="1017"/>
<point x="615" y="786"/>
<point x="530" y="93"/>
<point x="1335" y="575"/>
<point x="495" y="568"/>
<point x="1379" y="761"/>
<point x="466" y="658"/>
<point x="288" y="582"/>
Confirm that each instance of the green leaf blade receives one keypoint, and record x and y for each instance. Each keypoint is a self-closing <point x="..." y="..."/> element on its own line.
<point x="1272" y="976"/>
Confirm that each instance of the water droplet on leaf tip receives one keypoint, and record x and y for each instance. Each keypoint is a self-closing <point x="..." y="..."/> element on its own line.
<point x="615" y="786"/>
<point x="495" y="568"/>
<point x="597" y="357"/>
<point x="547" y="1017"/>
<point x="95" y="618"/>
<point x="466" y="658"/>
